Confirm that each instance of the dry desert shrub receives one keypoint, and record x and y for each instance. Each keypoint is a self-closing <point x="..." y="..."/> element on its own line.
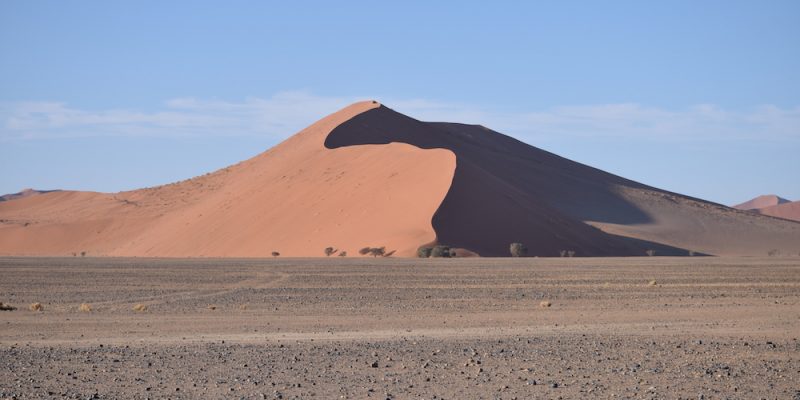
<point x="545" y="304"/>
<point x="518" y="250"/>
<point x="329" y="251"/>
<point x="377" y="251"/>
<point x="7" y="307"/>
<point x="773" y="253"/>
<point x="440" y="251"/>
<point x="275" y="254"/>
<point x="140" y="308"/>
<point x="36" y="307"/>
<point x="85" y="307"/>
<point x="243" y="307"/>
<point x="424" y="252"/>
<point x="652" y="283"/>
<point x="342" y="254"/>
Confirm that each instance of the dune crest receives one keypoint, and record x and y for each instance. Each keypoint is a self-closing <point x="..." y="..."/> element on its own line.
<point x="369" y="176"/>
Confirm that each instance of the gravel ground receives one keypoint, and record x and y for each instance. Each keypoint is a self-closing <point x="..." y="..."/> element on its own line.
<point x="691" y="328"/>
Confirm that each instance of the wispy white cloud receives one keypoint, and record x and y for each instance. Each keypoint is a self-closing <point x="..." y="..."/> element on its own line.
<point x="285" y="113"/>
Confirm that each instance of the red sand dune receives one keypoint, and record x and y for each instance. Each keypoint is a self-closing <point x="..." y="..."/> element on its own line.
<point x="368" y="176"/>
<point x="789" y="210"/>
<point x="767" y="200"/>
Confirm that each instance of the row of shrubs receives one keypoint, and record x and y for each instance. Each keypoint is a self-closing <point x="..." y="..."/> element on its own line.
<point x="441" y="251"/>
<point x="372" y="251"/>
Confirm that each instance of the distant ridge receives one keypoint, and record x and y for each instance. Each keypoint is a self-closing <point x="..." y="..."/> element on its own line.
<point x="767" y="200"/>
<point x="23" y="194"/>
<point x="367" y="176"/>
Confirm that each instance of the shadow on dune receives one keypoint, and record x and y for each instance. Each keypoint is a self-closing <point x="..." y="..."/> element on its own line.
<point x="506" y="191"/>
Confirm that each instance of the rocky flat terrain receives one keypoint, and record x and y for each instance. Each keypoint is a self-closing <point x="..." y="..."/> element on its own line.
<point x="657" y="327"/>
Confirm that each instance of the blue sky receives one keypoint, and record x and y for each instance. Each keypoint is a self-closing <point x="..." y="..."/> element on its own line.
<point x="697" y="97"/>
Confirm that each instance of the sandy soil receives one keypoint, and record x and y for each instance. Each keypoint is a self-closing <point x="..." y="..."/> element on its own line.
<point x="401" y="328"/>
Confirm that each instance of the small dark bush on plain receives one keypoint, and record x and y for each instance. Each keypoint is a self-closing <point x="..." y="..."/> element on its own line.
<point x="329" y="251"/>
<point x="440" y="251"/>
<point x="7" y="307"/>
<point x="342" y="254"/>
<point x="389" y="254"/>
<point x="377" y="251"/>
<point x="83" y="254"/>
<point x="364" y="251"/>
<point x="453" y="253"/>
<point x="275" y="254"/>
<point x="424" y="252"/>
<point x="518" y="250"/>
<point x="773" y="252"/>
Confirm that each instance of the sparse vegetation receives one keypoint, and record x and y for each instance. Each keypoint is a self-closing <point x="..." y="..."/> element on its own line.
<point x="650" y="253"/>
<point x="377" y="251"/>
<point x="140" y="308"/>
<point x="211" y="307"/>
<point x="774" y="253"/>
<point x="83" y="254"/>
<point x="342" y="254"/>
<point x="440" y="251"/>
<point x="329" y="251"/>
<point x="243" y="307"/>
<point x="389" y="254"/>
<point x="545" y="304"/>
<point x="365" y="251"/>
<point x="424" y="252"/>
<point x="518" y="250"/>
<point x="7" y="307"/>
<point x="652" y="283"/>
<point x="36" y="307"/>
<point x="85" y="307"/>
<point x="275" y="254"/>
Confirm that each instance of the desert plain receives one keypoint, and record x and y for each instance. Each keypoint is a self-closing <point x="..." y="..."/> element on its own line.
<point x="386" y="328"/>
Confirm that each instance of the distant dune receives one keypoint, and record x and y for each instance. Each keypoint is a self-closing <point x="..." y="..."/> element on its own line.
<point x="767" y="200"/>
<point x="24" y="193"/>
<point x="774" y="206"/>
<point x="785" y="210"/>
<point x="369" y="176"/>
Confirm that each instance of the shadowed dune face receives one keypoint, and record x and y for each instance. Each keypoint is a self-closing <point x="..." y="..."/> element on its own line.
<point x="505" y="191"/>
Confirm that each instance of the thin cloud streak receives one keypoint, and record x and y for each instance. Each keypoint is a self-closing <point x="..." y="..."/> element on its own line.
<point x="287" y="112"/>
